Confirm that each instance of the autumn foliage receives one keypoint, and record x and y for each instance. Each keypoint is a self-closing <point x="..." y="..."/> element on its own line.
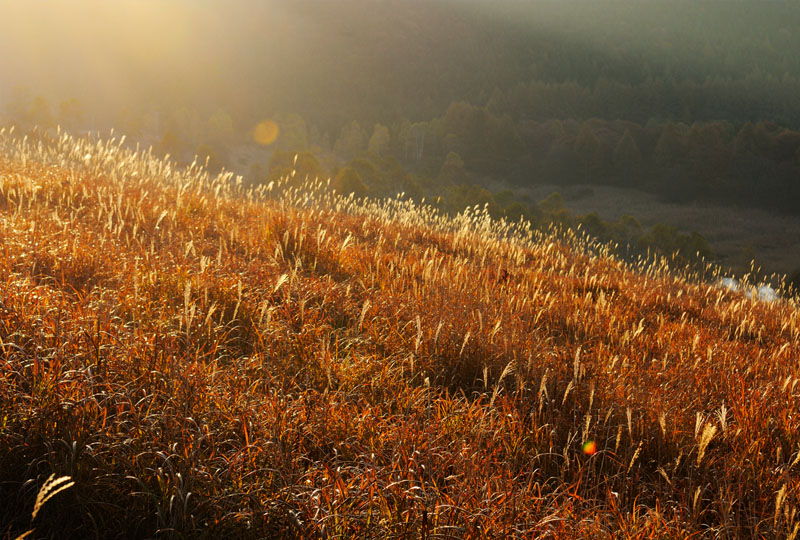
<point x="204" y="360"/>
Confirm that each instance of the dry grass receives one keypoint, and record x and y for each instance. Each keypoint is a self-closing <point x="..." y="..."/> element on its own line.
<point x="204" y="361"/>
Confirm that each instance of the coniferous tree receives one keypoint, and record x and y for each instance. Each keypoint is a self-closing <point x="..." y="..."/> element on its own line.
<point x="627" y="159"/>
<point x="349" y="181"/>
<point x="379" y="141"/>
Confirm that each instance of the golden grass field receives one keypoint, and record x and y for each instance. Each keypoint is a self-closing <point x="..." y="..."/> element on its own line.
<point x="204" y="361"/>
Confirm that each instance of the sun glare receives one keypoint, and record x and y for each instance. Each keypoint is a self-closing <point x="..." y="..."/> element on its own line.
<point x="266" y="132"/>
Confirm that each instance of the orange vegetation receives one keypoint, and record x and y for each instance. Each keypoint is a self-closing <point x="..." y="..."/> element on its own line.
<point x="207" y="361"/>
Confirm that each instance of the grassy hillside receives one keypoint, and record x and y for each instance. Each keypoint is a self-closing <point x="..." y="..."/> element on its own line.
<point x="203" y="361"/>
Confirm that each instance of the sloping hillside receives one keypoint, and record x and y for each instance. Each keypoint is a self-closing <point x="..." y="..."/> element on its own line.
<point x="206" y="362"/>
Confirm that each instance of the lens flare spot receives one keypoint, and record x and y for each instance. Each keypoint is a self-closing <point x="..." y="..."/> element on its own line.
<point x="266" y="132"/>
<point x="589" y="448"/>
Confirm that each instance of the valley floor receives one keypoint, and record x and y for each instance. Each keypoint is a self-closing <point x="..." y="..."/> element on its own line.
<point x="736" y="235"/>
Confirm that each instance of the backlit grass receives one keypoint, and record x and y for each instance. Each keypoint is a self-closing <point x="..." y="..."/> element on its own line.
<point x="208" y="361"/>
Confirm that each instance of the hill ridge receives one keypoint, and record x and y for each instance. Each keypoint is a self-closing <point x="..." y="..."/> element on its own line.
<point x="281" y="362"/>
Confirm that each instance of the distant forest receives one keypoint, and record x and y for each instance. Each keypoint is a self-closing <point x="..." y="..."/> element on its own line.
<point x="693" y="101"/>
